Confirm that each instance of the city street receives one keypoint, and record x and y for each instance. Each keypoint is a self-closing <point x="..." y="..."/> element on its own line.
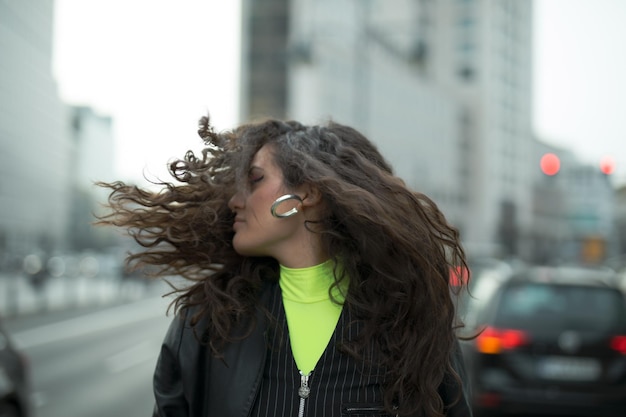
<point x="96" y="362"/>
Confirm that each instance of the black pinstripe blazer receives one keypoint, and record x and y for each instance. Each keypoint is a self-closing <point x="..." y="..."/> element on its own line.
<point x="257" y="376"/>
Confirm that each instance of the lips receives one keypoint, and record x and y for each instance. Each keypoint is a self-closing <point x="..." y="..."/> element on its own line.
<point x="238" y="220"/>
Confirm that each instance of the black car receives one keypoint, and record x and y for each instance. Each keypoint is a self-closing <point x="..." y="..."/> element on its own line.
<point x="14" y="379"/>
<point x="552" y="341"/>
<point x="486" y="275"/>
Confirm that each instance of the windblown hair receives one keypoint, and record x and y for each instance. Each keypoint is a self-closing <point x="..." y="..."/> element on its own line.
<point x="395" y="246"/>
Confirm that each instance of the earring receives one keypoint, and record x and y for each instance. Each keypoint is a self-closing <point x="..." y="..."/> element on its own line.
<point x="282" y="199"/>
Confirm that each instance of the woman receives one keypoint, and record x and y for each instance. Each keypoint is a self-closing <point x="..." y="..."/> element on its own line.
<point x="318" y="281"/>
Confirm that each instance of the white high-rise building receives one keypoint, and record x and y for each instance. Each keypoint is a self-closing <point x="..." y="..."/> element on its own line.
<point x="94" y="157"/>
<point x="92" y="134"/>
<point x="443" y="87"/>
<point x="34" y="144"/>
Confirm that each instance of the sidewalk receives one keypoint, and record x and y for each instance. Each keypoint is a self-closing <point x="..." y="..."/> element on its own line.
<point x="19" y="298"/>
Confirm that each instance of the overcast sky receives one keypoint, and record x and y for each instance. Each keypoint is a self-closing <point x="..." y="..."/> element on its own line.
<point x="580" y="78"/>
<point x="156" y="68"/>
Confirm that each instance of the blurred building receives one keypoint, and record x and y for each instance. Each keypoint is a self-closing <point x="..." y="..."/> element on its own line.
<point x="590" y="216"/>
<point x="620" y="221"/>
<point x="35" y="162"/>
<point x="92" y="136"/>
<point x="263" y="57"/>
<point x="443" y="88"/>
<point x="550" y="229"/>
<point x="94" y="157"/>
<point x="574" y="210"/>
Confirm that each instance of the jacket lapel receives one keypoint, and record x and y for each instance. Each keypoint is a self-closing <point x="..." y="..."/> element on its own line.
<point x="234" y="380"/>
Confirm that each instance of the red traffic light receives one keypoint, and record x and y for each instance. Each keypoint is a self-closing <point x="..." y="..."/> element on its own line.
<point x="607" y="165"/>
<point x="550" y="164"/>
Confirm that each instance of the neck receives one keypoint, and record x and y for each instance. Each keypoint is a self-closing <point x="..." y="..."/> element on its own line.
<point x="303" y="254"/>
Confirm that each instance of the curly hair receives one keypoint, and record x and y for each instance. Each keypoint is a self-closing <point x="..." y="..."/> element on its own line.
<point x="394" y="244"/>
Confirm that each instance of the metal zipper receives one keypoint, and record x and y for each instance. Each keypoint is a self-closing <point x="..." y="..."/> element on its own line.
<point x="303" y="391"/>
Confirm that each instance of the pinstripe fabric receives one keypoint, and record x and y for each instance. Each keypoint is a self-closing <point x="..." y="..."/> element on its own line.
<point x="340" y="386"/>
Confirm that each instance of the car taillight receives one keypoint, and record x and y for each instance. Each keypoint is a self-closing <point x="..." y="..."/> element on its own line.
<point x="489" y="399"/>
<point x="618" y="343"/>
<point x="494" y="341"/>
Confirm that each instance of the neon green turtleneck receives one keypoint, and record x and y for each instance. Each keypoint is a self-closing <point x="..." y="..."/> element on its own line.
<point x="311" y="315"/>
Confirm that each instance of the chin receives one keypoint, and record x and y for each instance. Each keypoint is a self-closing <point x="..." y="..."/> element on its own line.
<point x="244" y="249"/>
<point x="248" y="249"/>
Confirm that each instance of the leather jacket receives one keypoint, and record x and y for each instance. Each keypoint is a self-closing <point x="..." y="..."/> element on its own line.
<point x="190" y="382"/>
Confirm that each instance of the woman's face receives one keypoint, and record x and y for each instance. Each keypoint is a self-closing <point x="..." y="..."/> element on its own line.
<point x="257" y="232"/>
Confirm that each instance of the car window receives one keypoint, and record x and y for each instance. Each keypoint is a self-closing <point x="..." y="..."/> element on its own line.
<point x="486" y="276"/>
<point x="532" y="305"/>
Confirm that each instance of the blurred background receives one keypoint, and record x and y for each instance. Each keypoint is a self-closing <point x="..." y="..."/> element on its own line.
<point x="506" y="112"/>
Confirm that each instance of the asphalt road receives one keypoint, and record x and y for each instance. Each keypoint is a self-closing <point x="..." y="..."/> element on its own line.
<point x="94" y="363"/>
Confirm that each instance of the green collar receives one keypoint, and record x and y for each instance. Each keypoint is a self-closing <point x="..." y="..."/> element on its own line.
<point x="310" y="284"/>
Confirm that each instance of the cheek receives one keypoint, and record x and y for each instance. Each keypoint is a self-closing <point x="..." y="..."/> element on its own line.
<point x="258" y="214"/>
<point x="259" y="219"/>
<point x="260" y="205"/>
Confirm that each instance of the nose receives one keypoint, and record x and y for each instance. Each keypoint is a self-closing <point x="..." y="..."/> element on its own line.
<point x="236" y="201"/>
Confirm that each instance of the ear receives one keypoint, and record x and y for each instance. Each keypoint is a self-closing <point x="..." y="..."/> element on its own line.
<point x="311" y="195"/>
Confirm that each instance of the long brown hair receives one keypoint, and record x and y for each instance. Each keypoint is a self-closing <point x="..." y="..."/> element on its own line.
<point x="395" y="245"/>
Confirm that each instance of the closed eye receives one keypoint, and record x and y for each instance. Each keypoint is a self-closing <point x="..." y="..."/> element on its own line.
<point x="254" y="180"/>
<point x="255" y="175"/>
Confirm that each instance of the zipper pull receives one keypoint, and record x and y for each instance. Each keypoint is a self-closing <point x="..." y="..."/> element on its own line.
<point x="304" y="389"/>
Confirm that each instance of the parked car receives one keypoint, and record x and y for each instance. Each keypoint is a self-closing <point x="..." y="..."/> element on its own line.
<point x="552" y="341"/>
<point x="14" y="379"/>
<point x="486" y="275"/>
